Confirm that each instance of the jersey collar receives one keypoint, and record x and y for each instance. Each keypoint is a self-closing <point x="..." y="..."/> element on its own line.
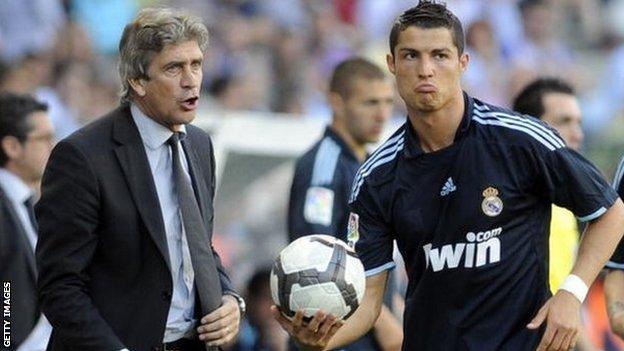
<point x="412" y="147"/>
<point x="329" y="132"/>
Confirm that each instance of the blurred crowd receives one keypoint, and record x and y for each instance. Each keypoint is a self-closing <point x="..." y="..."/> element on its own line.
<point x="275" y="56"/>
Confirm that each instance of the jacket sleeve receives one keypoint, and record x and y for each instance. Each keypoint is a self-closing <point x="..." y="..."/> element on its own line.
<point x="68" y="217"/>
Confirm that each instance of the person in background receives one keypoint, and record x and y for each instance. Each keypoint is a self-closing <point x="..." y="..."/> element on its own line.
<point x="26" y="139"/>
<point x="259" y="331"/>
<point x="554" y="101"/>
<point x="361" y="99"/>
<point x="614" y="281"/>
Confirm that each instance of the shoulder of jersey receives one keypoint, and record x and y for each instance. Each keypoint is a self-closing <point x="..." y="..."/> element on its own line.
<point x="320" y="162"/>
<point x="505" y="126"/>
<point x="307" y="158"/>
<point x="378" y="167"/>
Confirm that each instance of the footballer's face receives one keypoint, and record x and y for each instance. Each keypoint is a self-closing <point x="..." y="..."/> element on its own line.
<point x="562" y="112"/>
<point x="367" y="108"/>
<point x="427" y="67"/>
<point x="171" y="93"/>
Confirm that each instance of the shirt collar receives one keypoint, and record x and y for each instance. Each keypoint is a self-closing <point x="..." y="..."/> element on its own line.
<point x="153" y="134"/>
<point x="413" y="148"/>
<point x="329" y="132"/>
<point x="14" y="187"/>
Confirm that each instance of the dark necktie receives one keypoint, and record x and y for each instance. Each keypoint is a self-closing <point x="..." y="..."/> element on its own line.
<point x="206" y="276"/>
<point x="30" y="207"/>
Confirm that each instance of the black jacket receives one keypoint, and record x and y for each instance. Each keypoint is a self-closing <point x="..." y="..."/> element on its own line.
<point x="17" y="268"/>
<point x="104" y="276"/>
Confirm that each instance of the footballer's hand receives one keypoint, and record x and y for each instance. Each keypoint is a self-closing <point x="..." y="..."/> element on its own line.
<point x="311" y="336"/>
<point x="563" y="320"/>
<point x="221" y="325"/>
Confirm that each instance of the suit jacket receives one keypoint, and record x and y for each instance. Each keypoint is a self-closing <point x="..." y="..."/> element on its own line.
<point x="104" y="276"/>
<point x="17" y="266"/>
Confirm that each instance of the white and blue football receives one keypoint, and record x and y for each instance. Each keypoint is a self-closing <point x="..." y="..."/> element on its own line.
<point x="318" y="272"/>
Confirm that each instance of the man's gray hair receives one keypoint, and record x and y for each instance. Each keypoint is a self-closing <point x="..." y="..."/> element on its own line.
<point x="147" y="35"/>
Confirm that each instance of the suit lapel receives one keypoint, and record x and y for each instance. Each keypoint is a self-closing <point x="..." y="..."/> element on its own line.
<point x="200" y="179"/>
<point x="133" y="159"/>
<point x="22" y="237"/>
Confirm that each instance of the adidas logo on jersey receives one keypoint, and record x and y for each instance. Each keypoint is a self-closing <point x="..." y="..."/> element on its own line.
<point x="482" y="248"/>
<point x="448" y="187"/>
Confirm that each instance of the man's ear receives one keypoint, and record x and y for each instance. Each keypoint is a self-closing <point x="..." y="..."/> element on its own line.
<point x="11" y="147"/>
<point x="335" y="101"/>
<point x="138" y="85"/>
<point x="463" y="61"/>
<point x="390" y="62"/>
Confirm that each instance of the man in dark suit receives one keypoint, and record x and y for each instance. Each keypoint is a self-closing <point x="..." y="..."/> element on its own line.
<point x="125" y="256"/>
<point x="26" y="137"/>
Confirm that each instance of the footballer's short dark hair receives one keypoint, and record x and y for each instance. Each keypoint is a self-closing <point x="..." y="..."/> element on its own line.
<point x="428" y="14"/>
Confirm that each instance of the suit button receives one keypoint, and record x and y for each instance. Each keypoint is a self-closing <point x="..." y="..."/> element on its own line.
<point x="166" y="296"/>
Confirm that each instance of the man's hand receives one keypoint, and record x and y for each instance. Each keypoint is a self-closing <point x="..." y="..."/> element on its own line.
<point x="614" y="294"/>
<point x="313" y="336"/>
<point x="563" y="319"/>
<point x="221" y="326"/>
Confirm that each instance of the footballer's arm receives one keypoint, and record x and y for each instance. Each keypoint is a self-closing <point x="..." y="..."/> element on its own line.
<point x="614" y="293"/>
<point x="324" y="332"/>
<point x="388" y="330"/>
<point x="562" y="310"/>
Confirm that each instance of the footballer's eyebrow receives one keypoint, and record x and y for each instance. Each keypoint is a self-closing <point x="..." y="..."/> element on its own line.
<point x="441" y="51"/>
<point x="408" y="50"/>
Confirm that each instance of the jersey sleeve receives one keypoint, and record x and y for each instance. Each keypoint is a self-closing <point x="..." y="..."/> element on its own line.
<point x="571" y="181"/>
<point x="370" y="233"/>
<point x="617" y="260"/>
<point x="314" y="209"/>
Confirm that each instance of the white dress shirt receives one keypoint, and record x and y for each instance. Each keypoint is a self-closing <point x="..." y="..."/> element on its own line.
<point x="180" y="320"/>
<point x="18" y="192"/>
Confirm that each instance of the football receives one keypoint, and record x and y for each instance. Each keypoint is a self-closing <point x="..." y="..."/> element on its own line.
<point x="318" y="272"/>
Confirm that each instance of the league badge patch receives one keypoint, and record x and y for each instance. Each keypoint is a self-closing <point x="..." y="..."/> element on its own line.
<point x="353" y="229"/>
<point x="492" y="205"/>
<point x="319" y="205"/>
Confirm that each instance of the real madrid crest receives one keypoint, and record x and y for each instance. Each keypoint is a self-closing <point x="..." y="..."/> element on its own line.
<point x="492" y="205"/>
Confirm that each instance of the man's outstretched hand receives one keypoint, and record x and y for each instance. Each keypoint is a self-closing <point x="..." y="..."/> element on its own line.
<point x="311" y="336"/>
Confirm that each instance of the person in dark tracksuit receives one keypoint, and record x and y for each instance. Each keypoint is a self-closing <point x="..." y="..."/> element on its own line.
<point x="361" y="99"/>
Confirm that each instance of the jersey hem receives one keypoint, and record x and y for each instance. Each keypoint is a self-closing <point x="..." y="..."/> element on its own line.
<point x="614" y="265"/>
<point x="379" y="269"/>
<point x="599" y="212"/>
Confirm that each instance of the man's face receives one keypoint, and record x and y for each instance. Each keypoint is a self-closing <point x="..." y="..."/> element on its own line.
<point x="562" y="112"/>
<point x="30" y="157"/>
<point x="171" y="94"/>
<point x="427" y="67"/>
<point x="367" y="108"/>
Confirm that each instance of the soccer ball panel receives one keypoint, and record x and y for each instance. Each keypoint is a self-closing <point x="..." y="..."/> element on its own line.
<point x="354" y="273"/>
<point x="305" y="254"/>
<point x="311" y="298"/>
<point x="273" y="283"/>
